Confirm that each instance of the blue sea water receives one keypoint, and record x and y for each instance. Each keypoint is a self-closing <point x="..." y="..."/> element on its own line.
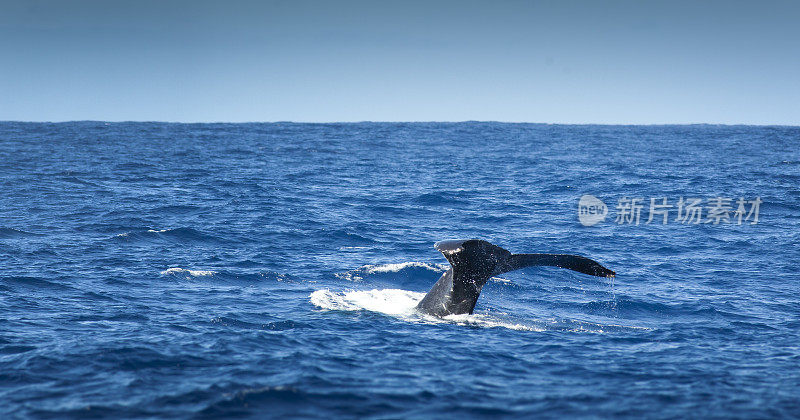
<point x="271" y="270"/>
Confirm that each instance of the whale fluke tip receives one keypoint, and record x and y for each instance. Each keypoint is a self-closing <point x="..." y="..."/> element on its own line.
<point x="450" y="246"/>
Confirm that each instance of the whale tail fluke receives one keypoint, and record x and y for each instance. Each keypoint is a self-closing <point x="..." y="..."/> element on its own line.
<point x="474" y="261"/>
<point x="572" y="262"/>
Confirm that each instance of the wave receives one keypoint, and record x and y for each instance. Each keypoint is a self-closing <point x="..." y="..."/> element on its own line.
<point x="76" y="180"/>
<point x="410" y="268"/>
<point x="441" y="198"/>
<point x="182" y="234"/>
<point x="405" y="271"/>
<point x="34" y="283"/>
<point x="348" y="238"/>
<point x="192" y="273"/>
<point x="222" y="277"/>
<point x="393" y="268"/>
<point x="11" y="233"/>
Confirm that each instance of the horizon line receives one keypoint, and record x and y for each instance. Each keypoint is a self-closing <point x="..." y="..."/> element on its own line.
<point x="403" y="122"/>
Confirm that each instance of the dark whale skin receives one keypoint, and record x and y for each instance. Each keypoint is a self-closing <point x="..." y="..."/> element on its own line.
<point x="473" y="262"/>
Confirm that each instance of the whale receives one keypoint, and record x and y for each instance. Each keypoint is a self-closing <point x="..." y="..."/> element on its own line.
<point x="474" y="261"/>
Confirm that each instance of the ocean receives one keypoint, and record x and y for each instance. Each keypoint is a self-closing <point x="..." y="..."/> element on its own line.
<point x="271" y="270"/>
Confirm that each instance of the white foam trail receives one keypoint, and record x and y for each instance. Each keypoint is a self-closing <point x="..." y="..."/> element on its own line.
<point x="387" y="301"/>
<point x="487" y="321"/>
<point x="193" y="273"/>
<point x="402" y="304"/>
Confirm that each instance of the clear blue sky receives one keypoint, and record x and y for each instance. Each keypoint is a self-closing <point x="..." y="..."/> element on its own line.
<point x="639" y="62"/>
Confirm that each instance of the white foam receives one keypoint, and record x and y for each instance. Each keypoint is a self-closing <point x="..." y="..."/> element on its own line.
<point x="387" y="301"/>
<point x="157" y="231"/>
<point x="487" y="321"/>
<point x="393" y="268"/>
<point x="193" y="273"/>
<point x="402" y="304"/>
<point x="359" y="273"/>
